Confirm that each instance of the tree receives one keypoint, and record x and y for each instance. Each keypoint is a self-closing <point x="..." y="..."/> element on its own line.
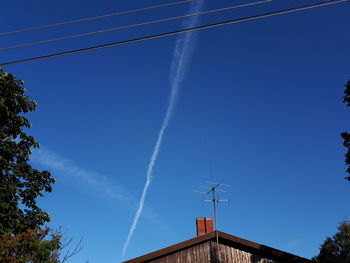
<point x="23" y="237"/>
<point x="20" y="182"/>
<point x="337" y="248"/>
<point x="345" y="135"/>
<point x="30" y="246"/>
<point x="38" y="246"/>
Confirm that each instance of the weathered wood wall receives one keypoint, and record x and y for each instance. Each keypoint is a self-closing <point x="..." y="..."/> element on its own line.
<point x="232" y="255"/>
<point x="206" y="253"/>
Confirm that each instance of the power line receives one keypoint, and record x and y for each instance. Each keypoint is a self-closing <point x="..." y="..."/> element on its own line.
<point x="222" y="23"/>
<point x="94" y="18"/>
<point x="135" y="25"/>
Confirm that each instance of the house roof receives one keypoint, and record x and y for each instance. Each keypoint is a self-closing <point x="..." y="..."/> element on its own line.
<point x="225" y="239"/>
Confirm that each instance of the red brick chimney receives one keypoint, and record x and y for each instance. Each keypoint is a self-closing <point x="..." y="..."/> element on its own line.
<point x="204" y="225"/>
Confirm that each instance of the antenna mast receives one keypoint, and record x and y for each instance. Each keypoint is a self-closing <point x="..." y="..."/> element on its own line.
<point x="213" y="189"/>
<point x="215" y="199"/>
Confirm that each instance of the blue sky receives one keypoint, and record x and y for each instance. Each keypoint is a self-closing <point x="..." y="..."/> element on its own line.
<point x="260" y="109"/>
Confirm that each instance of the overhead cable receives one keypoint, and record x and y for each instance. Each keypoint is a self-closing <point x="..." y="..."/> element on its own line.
<point x="133" y="25"/>
<point x="177" y="32"/>
<point x="94" y="18"/>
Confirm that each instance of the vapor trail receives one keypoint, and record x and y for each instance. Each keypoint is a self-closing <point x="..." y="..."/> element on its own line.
<point x="178" y="68"/>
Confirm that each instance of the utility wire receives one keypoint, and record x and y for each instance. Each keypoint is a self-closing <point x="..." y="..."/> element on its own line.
<point x="134" y="25"/>
<point x="222" y="23"/>
<point x="94" y="18"/>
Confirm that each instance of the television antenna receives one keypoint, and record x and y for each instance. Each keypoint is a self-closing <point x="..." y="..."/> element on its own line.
<point x="214" y="188"/>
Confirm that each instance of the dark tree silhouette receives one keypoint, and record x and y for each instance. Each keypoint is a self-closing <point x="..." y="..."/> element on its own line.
<point x="336" y="249"/>
<point x="345" y="135"/>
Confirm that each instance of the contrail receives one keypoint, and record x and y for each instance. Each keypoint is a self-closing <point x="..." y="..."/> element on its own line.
<point x="178" y="68"/>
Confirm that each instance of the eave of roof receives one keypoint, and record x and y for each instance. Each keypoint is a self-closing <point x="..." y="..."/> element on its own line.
<point x="226" y="239"/>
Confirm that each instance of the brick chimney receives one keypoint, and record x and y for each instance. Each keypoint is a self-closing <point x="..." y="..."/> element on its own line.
<point x="204" y="225"/>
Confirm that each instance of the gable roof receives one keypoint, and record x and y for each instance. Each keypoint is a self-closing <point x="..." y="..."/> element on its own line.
<point x="228" y="240"/>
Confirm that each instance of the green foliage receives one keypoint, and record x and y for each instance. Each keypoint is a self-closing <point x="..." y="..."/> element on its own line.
<point x="20" y="183"/>
<point x="345" y="135"/>
<point x="337" y="248"/>
<point x="21" y="236"/>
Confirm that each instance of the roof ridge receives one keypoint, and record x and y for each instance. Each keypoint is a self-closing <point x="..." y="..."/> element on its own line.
<point x="224" y="239"/>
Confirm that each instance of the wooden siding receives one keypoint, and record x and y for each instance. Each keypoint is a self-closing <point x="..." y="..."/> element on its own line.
<point x="232" y="255"/>
<point x="199" y="253"/>
<point x="207" y="253"/>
